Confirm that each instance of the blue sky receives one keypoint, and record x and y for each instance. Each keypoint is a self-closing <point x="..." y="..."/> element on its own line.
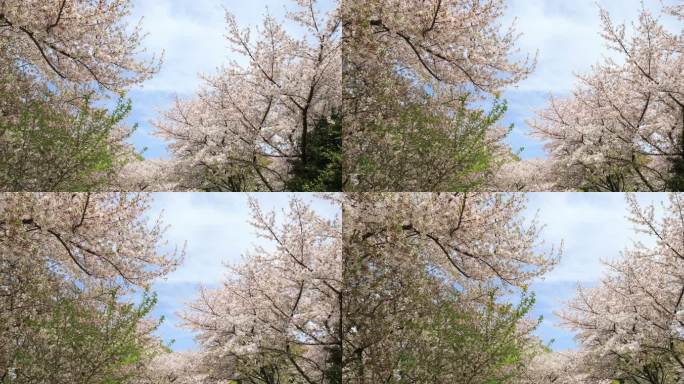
<point x="593" y="227"/>
<point x="191" y="33"/>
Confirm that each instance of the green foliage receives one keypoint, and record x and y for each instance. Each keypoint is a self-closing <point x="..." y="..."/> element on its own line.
<point x="428" y="150"/>
<point x="321" y="171"/>
<point x="79" y="339"/>
<point x="675" y="182"/>
<point x="454" y="341"/>
<point x="410" y="322"/>
<point x="333" y="374"/>
<point x="230" y="178"/>
<point x="50" y="145"/>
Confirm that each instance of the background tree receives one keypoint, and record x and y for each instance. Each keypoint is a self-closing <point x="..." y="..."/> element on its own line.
<point x="249" y="124"/>
<point x="558" y="367"/>
<point x="621" y="129"/>
<point x="173" y="367"/>
<point x="427" y="280"/>
<point x="525" y="175"/>
<point x="144" y="175"/>
<point x="322" y="171"/>
<point x="431" y="55"/>
<point x="277" y="316"/>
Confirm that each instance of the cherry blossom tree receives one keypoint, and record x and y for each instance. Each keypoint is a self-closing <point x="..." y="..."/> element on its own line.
<point x="68" y="265"/>
<point x="473" y="236"/>
<point x="77" y="42"/>
<point x="249" y="123"/>
<point x="630" y="324"/>
<point x="621" y="129"/>
<point x="453" y="43"/>
<point x="173" y="367"/>
<point x="421" y="269"/>
<point x="87" y="237"/>
<point x="558" y="367"/>
<point x="429" y="55"/>
<point x="276" y="318"/>
<point x="56" y="58"/>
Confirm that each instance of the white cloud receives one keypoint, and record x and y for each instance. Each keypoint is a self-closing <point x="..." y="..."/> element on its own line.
<point x="580" y="222"/>
<point x="192" y="41"/>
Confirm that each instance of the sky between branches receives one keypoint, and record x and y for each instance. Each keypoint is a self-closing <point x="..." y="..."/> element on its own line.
<point x="215" y="226"/>
<point x="191" y="33"/>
